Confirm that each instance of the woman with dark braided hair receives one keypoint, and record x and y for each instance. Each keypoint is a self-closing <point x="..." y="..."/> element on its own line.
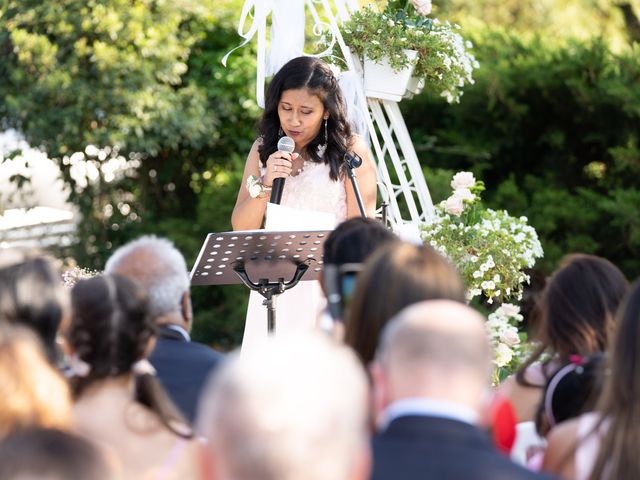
<point x="303" y="102"/>
<point x="119" y="402"/>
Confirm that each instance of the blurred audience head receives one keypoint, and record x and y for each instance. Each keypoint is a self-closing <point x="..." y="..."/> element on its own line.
<point x="578" y="309"/>
<point x="32" y="391"/>
<point x="437" y="349"/>
<point x="571" y="391"/>
<point x="344" y="252"/>
<point x="354" y="240"/>
<point x="394" y="277"/>
<point x="111" y="335"/>
<point x="293" y="407"/>
<point x="159" y="267"/>
<point x="618" y="453"/>
<point x="50" y="454"/>
<point x="32" y="294"/>
<point x="579" y="304"/>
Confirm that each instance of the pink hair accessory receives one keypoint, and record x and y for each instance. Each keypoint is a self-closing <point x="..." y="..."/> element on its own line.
<point x="577" y="359"/>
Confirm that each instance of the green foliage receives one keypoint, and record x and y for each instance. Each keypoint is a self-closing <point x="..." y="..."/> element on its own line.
<point x="132" y="93"/>
<point x="554" y="133"/>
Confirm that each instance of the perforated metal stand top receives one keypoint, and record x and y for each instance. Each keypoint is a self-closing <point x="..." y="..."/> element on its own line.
<point x="267" y="262"/>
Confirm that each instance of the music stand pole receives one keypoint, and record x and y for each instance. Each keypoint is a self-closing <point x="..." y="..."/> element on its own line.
<point x="270" y="290"/>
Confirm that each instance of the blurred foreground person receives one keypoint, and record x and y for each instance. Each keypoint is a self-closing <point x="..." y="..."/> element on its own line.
<point x="578" y="311"/>
<point x="292" y="408"/>
<point x="431" y="383"/>
<point x="32" y="391"/>
<point x="344" y="253"/>
<point x="394" y="277"/>
<point x="49" y="454"/>
<point x="182" y="365"/>
<point x="119" y="402"/>
<point x="603" y="445"/>
<point x="32" y="294"/>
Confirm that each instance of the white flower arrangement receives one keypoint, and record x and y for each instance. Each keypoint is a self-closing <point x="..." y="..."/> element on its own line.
<point x="444" y="58"/>
<point x="502" y="326"/>
<point x="490" y="248"/>
<point x="71" y="276"/>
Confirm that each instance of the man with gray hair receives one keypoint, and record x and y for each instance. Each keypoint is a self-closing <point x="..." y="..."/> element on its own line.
<point x="182" y="365"/>
<point x="292" y="408"/>
<point x="431" y="380"/>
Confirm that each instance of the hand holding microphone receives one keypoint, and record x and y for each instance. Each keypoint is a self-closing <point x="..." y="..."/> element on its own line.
<point x="279" y="167"/>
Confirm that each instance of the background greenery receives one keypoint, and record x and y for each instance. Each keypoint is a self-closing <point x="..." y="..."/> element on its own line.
<point x="551" y="124"/>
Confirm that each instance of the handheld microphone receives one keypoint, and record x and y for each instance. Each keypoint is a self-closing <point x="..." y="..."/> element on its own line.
<point x="285" y="144"/>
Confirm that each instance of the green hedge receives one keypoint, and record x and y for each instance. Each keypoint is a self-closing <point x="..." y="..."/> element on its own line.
<point x="553" y="131"/>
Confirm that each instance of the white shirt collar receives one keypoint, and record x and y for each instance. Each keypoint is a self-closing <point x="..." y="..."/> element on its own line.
<point x="180" y="330"/>
<point x="427" y="407"/>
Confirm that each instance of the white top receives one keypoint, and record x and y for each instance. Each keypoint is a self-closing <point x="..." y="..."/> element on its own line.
<point x="313" y="190"/>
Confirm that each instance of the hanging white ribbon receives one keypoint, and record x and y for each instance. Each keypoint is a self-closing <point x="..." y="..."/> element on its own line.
<point x="261" y="10"/>
<point x="287" y="34"/>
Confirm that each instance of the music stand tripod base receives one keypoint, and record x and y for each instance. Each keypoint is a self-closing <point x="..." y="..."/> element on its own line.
<point x="271" y="257"/>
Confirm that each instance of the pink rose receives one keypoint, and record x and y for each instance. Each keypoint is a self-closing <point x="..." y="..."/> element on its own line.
<point x="423" y="7"/>
<point x="454" y="205"/>
<point x="511" y="338"/>
<point x="509" y="310"/>
<point x="463" y="180"/>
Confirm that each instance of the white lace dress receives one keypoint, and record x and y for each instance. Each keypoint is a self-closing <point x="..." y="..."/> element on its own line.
<point x="313" y="192"/>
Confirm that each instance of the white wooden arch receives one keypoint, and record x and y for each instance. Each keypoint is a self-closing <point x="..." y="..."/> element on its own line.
<point x="401" y="181"/>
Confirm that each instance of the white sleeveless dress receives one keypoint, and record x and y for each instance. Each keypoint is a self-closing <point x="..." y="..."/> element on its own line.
<point x="320" y="200"/>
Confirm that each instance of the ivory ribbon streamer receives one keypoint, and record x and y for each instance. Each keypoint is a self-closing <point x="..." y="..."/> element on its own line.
<point x="287" y="33"/>
<point x="261" y="10"/>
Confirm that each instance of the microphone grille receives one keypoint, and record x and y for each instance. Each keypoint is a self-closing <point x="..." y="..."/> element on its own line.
<point x="286" y="144"/>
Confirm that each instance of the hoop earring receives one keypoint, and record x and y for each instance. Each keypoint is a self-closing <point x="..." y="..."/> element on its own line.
<point x="323" y="146"/>
<point x="280" y="132"/>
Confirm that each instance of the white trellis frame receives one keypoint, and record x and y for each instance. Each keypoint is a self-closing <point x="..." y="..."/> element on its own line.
<point x="400" y="178"/>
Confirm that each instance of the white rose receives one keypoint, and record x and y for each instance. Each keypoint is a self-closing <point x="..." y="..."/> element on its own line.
<point x="423" y="7"/>
<point x="503" y="355"/>
<point x="454" y="205"/>
<point x="254" y="190"/>
<point x="464" y="194"/>
<point x="463" y="180"/>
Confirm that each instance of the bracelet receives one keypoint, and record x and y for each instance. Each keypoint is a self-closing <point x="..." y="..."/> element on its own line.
<point x="256" y="188"/>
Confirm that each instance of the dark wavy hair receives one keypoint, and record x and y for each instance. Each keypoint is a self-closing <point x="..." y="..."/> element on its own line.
<point x="32" y="294"/>
<point x="313" y="74"/>
<point x="110" y="330"/>
<point x="618" y="406"/>
<point x="578" y="308"/>
<point x="396" y="275"/>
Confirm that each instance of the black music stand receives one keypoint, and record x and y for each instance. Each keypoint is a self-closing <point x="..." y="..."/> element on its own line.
<point x="238" y="257"/>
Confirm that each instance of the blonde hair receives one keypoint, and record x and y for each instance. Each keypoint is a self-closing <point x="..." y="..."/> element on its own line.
<point x="32" y="392"/>
<point x="293" y="407"/>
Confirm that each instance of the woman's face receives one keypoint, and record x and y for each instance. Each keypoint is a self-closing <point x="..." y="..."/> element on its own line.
<point x="301" y="114"/>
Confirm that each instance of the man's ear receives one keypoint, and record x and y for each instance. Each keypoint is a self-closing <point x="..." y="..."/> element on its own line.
<point x="186" y="310"/>
<point x="380" y="389"/>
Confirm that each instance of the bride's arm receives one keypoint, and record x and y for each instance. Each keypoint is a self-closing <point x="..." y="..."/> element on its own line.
<point x="367" y="181"/>
<point x="248" y="212"/>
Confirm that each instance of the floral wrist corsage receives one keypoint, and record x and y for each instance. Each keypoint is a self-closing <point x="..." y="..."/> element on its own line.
<point x="256" y="188"/>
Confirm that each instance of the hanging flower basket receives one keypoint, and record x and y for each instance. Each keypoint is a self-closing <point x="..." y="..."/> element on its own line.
<point x="444" y="61"/>
<point x="381" y="81"/>
<point x="414" y="87"/>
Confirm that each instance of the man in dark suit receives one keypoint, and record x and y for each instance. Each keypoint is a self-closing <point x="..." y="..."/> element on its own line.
<point x="431" y="381"/>
<point x="182" y="366"/>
